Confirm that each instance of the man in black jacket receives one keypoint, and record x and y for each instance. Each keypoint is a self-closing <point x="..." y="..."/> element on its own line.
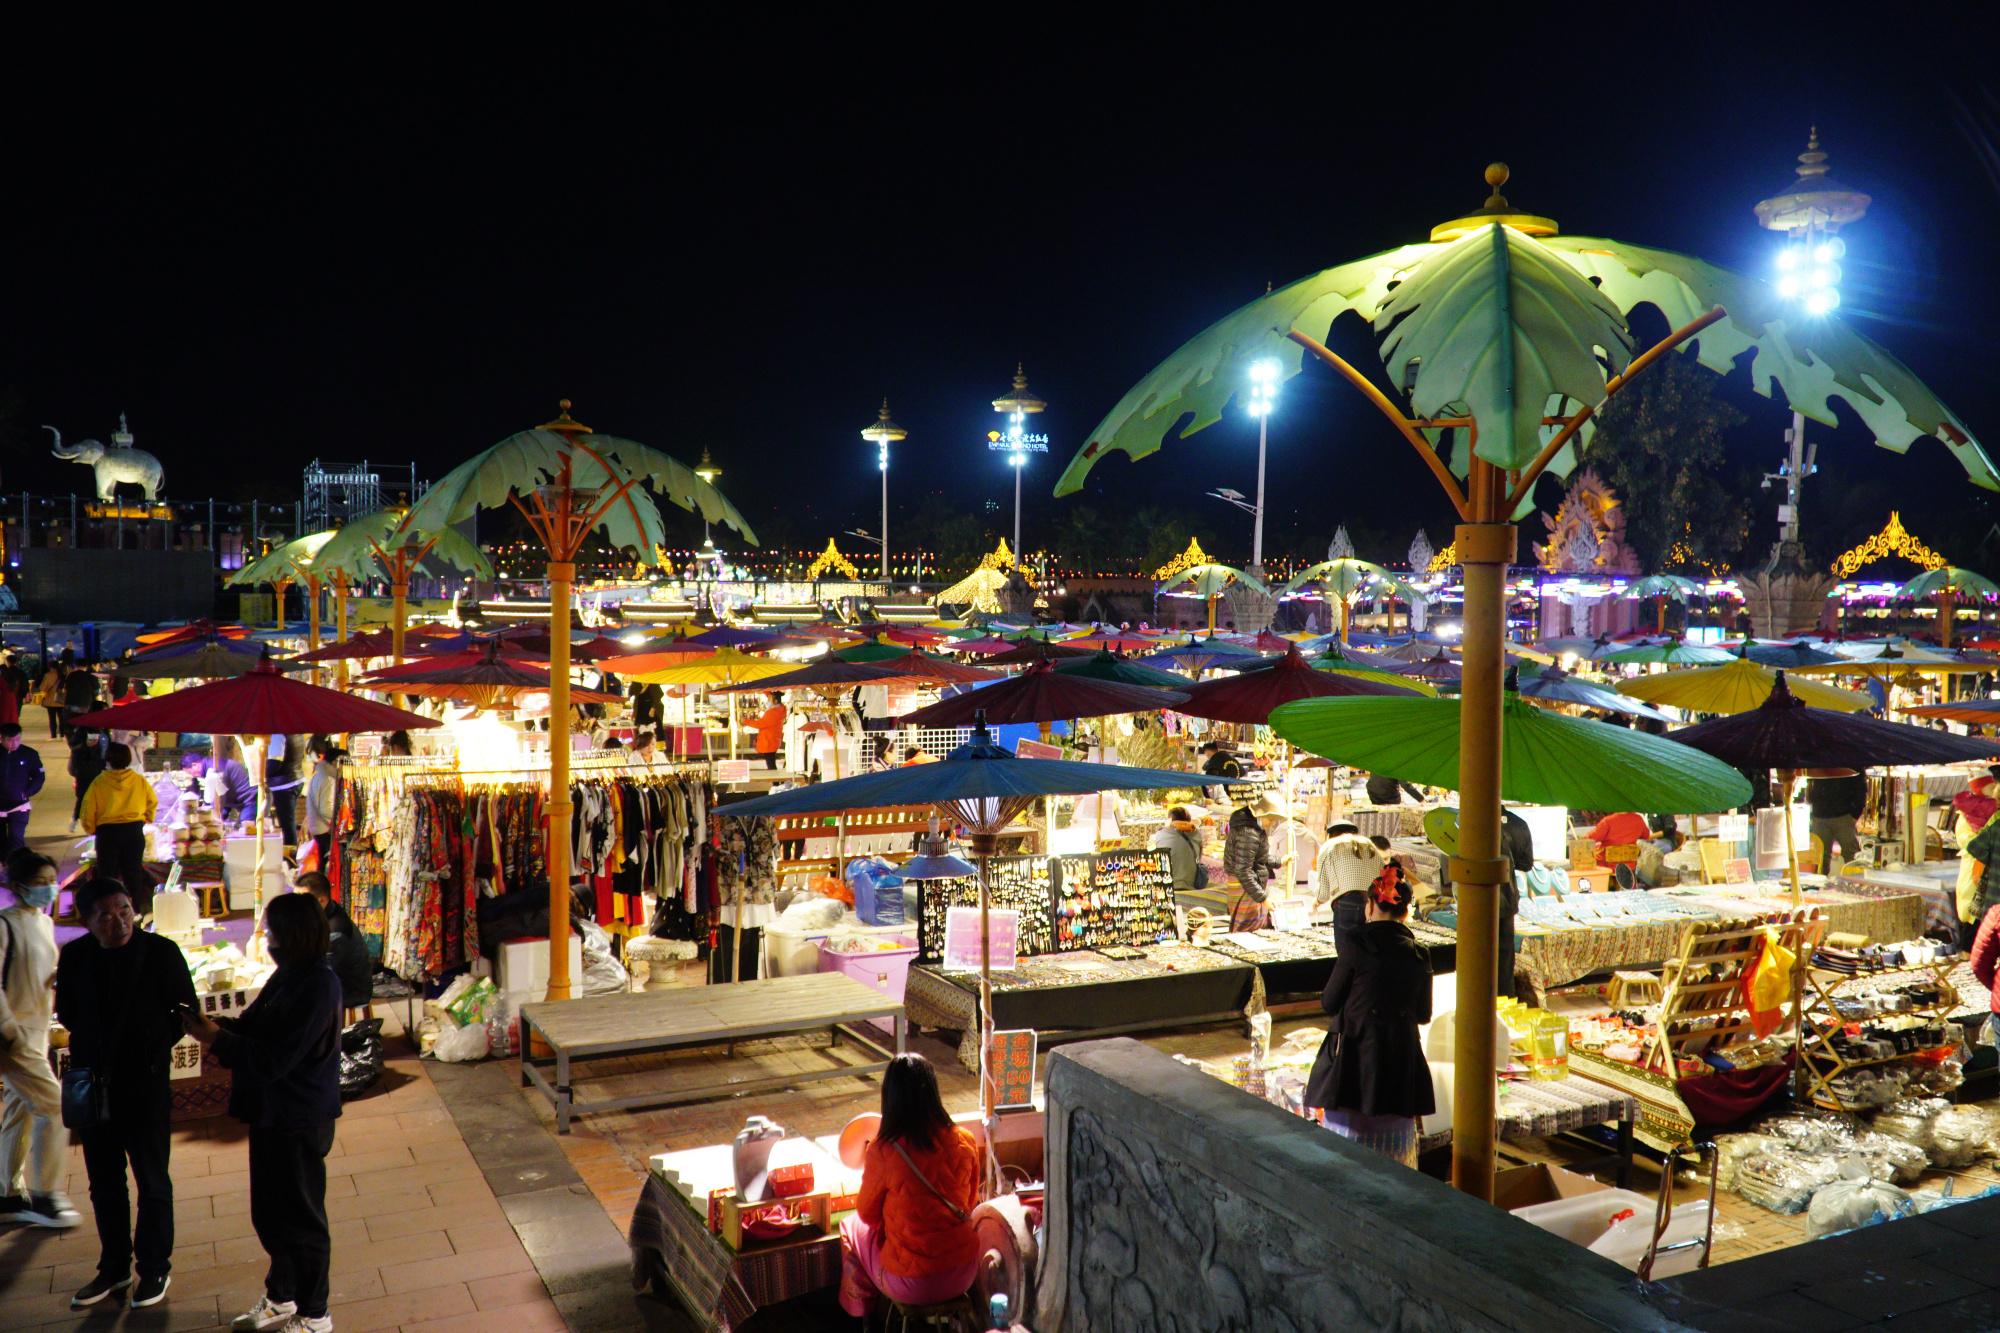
<point x="346" y="952"/>
<point x="1836" y="803"/>
<point x="121" y="992"/>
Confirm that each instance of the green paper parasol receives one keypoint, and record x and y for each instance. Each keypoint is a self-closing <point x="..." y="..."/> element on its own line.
<point x="1548" y="759"/>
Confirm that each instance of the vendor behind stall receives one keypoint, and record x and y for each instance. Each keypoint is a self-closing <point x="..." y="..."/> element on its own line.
<point x="910" y="1237"/>
<point x="1836" y="803"/>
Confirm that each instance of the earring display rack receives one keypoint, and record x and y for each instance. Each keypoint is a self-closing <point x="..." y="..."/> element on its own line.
<point x="1111" y="899"/>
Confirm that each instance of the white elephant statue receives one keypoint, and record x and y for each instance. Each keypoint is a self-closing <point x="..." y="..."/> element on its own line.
<point x="119" y="463"/>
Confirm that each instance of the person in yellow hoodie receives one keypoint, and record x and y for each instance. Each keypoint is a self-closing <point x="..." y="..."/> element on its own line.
<point x="117" y="807"/>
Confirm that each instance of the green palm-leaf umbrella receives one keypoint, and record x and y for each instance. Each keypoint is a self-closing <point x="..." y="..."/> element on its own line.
<point x="1506" y="338"/>
<point x="1546" y="758"/>
<point x="1210" y="582"/>
<point x="390" y="544"/>
<point x="1344" y="579"/>
<point x="568" y="482"/>
<point x="281" y="566"/>
<point x="1944" y="584"/>
<point x="1665" y="587"/>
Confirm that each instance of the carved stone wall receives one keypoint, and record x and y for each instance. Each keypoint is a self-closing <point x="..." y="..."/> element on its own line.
<point x="1178" y="1204"/>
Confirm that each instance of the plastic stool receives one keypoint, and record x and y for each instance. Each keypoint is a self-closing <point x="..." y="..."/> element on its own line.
<point x="954" y="1316"/>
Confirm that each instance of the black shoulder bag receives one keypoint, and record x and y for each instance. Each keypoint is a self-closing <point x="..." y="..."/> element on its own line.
<point x="86" y="1092"/>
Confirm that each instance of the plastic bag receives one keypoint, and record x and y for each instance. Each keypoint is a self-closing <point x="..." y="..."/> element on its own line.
<point x="469" y="1009"/>
<point x="1812" y="1131"/>
<point x="1961" y="1135"/>
<point x="360" y="1057"/>
<point x="807" y="916"/>
<point x="1887" y="1158"/>
<point x="602" y="972"/>
<point x="502" y="1030"/>
<point x="1846" y="1204"/>
<point x="1912" y="1119"/>
<point x="1732" y="1150"/>
<point x="1784" y="1182"/>
<point x="462" y="1044"/>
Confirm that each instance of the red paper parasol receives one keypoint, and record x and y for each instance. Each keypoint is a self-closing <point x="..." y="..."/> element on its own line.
<point x="1029" y="651"/>
<point x="262" y="702"/>
<point x="191" y="632"/>
<point x="827" y="674"/>
<point x="938" y="670"/>
<point x="1251" y="695"/>
<point x="483" y="678"/>
<point x="984" y="647"/>
<point x="1043" y="694"/>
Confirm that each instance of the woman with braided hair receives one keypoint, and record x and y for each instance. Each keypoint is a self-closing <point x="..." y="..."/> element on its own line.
<point x="1370" y="1079"/>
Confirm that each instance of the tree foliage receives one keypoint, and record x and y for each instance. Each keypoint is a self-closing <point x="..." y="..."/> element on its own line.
<point x="1662" y="443"/>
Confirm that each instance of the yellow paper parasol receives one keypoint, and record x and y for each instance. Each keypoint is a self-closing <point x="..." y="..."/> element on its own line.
<point x="724" y="666"/>
<point x="1735" y="687"/>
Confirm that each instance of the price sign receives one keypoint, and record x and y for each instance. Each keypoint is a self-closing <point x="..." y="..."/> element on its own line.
<point x="1732" y="827"/>
<point x="961" y="939"/>
<point x="1011" y="1065"/>
<point x="1027" y="749"/>
<point x="729" y="772"/>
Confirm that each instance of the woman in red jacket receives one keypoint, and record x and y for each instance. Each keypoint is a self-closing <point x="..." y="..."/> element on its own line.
<point x="909" y="1238"/>
<point x="1986" y="965"/>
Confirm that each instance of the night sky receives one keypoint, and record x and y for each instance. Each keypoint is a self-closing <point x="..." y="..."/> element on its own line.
<point x="410" y="247"/>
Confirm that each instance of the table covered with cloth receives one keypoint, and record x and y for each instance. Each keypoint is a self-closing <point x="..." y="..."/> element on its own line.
<point x="1082" y="991"/>
<point x="1935" y="881"/>
<point x="720" y="1287"/>
<point x="1561" y="951"/>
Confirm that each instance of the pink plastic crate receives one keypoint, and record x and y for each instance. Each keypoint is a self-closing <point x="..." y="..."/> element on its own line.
<point x="885" y="970"/>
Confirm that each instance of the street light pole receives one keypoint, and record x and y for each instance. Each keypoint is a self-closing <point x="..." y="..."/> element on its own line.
<point x="1018" y="404"/>
<point x="1811" y="211"/>
<point x="1265" y="376"/>
<point x="882" y="433"/>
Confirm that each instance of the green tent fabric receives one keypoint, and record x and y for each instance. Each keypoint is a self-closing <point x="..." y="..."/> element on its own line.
<point x="1547" y="759"/>
<point x="1109" y="666"/>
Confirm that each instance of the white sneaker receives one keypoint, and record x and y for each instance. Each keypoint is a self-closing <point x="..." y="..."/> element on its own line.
<point x="299" y="1323"/>
<point x="53" y="1211"/>
<point x="265" y="1314"/>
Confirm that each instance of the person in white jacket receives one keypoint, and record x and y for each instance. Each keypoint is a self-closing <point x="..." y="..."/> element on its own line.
<point x="320" y="797"/>
<point x="34" y="1146"/>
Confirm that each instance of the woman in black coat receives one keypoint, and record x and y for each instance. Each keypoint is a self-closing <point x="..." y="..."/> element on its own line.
<point x="1371" y="1080"/>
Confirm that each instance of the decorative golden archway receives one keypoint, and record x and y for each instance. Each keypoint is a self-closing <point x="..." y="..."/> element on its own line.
<point x="1183" y="562"/>
<point x="832" y="559"/>
<point x="1893" y="539"/>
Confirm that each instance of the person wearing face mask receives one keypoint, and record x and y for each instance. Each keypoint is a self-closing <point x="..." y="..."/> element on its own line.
<point x="283" y="1054"/>
<point x="121" y="993"/>
<point x="34" y="1145"/>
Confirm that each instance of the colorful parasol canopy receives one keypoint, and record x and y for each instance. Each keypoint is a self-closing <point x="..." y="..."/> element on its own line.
<point x="1109" y="666"/>
<point x="1342" y="661"/>
<point x="1790" y="656"/>
<point x="1250" y="696"/>
<point x="211" y="661"/>
<point x="483" y="677"/>
<point x="1441" y="667"/>
<point x="1784" y="734"/>
<point x="932" y="669"/>
<point x="1895" y="657"/>
<point x="871" y="650"/>
<point x="1031" y="651"/>
<point x="1546" y="758"/>
<point x="374" y="643"/>
<point x="1117" y="641"/>
<point x="1664" y="585"/>
<point x="748" y="639"/>
<point x="985" y="645"/>
<point x="1735" y="687"/>
<point x="1197" y="655"/>
<point x="1672" y="653"/>
<point x="195" y="631"/>
<point x="828" y="674"/>
<point x="1553" y="685"/>
<point x="1043" y="694"/>
<point x="262" y="702"/>
<point x="1972" y="712"/>
<point x="725" y="667"/>
<point x="978" y="773"/>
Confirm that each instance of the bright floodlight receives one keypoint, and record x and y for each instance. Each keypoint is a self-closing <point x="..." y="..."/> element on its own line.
<point x="1788" y="259"/>
<point x="1788" y="286"/>
<point x="1821" y="301"/>
<point x="1264" y="376"/>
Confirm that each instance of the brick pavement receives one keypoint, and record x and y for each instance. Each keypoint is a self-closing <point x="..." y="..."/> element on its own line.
<point x="420" y="1240"/>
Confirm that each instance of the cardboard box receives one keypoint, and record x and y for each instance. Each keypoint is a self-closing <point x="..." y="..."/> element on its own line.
<point x="1519" y="1186"/>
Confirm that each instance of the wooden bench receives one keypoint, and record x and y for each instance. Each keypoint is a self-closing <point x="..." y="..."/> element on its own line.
<point x="605" y="1026"/>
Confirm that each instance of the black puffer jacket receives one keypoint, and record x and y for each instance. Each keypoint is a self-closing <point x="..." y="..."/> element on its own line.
<point x="1247" y="855"/>
<point x="1372" y="1060"/>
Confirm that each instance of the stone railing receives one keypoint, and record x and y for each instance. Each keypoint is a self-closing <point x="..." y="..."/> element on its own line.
<point x="1178" y="1203"/>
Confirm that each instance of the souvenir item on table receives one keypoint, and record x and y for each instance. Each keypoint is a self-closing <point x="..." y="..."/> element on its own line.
<point x="752" y="1157"/>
